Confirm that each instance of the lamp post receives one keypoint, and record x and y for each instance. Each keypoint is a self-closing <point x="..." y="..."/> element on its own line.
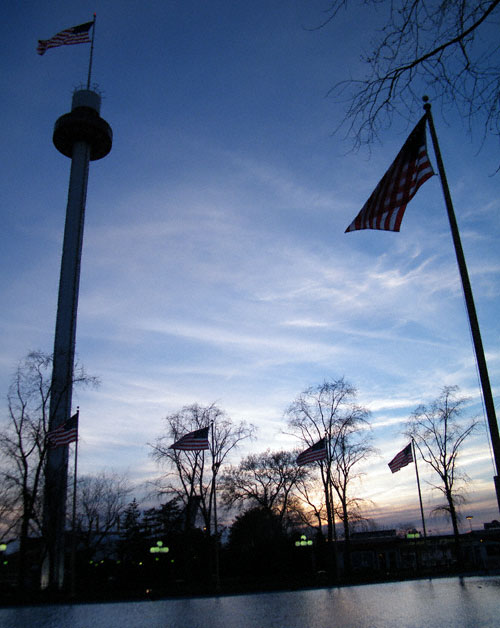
<point x="469" y="519"/>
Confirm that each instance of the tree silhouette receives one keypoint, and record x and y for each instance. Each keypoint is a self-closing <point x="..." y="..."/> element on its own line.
<point x="449" y="50"/>
<point x="439" y="434"/>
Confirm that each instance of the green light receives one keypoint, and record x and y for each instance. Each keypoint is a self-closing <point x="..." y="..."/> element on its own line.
<point x="304" y="541"/>
<point x="159" y="550"/>
<point x="159" y="543"/>
<point x="3" y="547"/>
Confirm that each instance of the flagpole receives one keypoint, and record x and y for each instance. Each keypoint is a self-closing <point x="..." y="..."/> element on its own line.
<point x="216" y="534"/>
<point x="471" y="309"/>
<point x="91" y="53"/>
<point x="332" y="535"/>
<point x="73" y="518"/>
<point x="418" y="485"/>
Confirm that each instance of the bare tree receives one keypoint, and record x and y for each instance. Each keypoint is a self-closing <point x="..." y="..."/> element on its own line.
<point x="266" y="480"/>
<point x="23" y="443"/>
<point x="309" y="507"/>
<point x="327" y="411"/>
<point x="8" y="514"/>
<point x="439" y="434"/>
<point x="426" y="46"/>
<point x="101" y="500"/>
<point x="192" y="475"/>
<point x="352" y="447"/>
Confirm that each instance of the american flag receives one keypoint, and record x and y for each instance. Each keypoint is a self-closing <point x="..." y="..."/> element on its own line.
<point x="385" y="208"/>
<point x="75" y="35"/>
<point x="400" y="460"/>
<point x="313" y="453"/>
<point x="64" y="434"/>
<point x="194" y="441"/>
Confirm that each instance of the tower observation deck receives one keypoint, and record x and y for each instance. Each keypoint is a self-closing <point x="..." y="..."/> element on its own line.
<point x="83" y="124"/>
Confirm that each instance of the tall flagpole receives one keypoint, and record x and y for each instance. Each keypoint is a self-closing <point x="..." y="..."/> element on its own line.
<point x="91" y="53"/>
<point x="216" y="532"/>
<point x="332" y="534"/>
<point x="73" y="517"/>
<point x="418" y="485"/>
<point x="471" y="309"/>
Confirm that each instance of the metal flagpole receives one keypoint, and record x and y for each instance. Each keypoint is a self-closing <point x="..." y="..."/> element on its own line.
<point x="91" y="53"/>
<point x="471" y="309"/>
<point x="419" y="492"/>
<point x="214" y="491"/>
<point x="73" y="517"/>
<point x="332" y="535"/>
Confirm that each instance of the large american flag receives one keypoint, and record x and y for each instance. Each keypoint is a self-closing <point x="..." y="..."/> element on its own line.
<point x="313" y="453"/>
<point x="74" y="35"/>
<point x="64" y="434"/>
<point x="385" y="208"/>
<point x="400" y="460"/>
<point x="194" y="441"/>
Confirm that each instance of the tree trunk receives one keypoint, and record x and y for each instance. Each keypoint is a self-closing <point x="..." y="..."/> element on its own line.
<point x="347" y="540"/>
<point x="456" y="533"/>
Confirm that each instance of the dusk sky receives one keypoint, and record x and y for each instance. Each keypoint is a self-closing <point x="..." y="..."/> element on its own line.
<point x="215" y="265"/>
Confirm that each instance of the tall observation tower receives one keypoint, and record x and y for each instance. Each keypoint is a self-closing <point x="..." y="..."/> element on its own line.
<point x="83" y="136"/>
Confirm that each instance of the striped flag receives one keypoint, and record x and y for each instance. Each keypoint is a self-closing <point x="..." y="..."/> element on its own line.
<point x="385" y="208"/>
<point x="400" y="460"/>
<point x="74" y="35"/>
<point x="64" y="434"/>
<point x="194" y="441"/>
<point x="313" y="453"/>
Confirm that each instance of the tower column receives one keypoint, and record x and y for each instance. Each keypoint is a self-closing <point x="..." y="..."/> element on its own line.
<point x="83" y="136"/>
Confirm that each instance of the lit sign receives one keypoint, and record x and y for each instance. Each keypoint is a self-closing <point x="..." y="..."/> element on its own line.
<point x="303" y="542"/>
<point x="159" y="549"/>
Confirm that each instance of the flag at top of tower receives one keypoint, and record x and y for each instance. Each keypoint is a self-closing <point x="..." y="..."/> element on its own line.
<point x="385" y="208"/>
<point x="194" y="441"/>
<point x="74" y="35"/>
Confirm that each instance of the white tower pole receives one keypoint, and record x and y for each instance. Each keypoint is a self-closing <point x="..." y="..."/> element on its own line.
<point x="83" y="136"/>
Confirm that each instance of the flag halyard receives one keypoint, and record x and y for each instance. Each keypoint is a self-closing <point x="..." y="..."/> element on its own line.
<point x="385" y="208"/>
<point x="69" y="36"/>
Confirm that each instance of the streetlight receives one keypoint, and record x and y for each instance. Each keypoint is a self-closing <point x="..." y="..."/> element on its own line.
<point x="469" y="519"/>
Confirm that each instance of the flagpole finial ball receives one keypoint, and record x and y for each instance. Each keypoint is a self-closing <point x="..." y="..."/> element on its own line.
<point x="427" y="105"/>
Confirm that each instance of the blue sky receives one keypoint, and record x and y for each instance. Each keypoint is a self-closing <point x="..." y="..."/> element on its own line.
<point x="215" y="265"/>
